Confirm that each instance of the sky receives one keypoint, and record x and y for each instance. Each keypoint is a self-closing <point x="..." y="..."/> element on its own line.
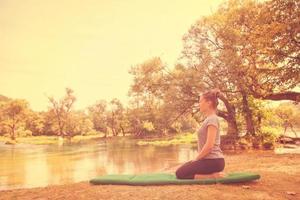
<point x="88" y="46"/>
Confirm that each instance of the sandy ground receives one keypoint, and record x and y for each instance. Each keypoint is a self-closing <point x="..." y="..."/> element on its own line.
<point x="280" y="175"/>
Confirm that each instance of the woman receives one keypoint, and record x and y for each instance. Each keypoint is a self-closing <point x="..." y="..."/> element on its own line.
<point x="209" y="163"/>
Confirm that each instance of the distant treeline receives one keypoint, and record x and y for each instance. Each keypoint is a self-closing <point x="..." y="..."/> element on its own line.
<point x="249" y="50"/>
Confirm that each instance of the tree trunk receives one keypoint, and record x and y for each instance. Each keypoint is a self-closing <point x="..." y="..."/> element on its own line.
<point x="248" y="115"/>
<point x="232" y="127"/>
<point x="229" y="116"/>
<point x="123" y="131"/>
<point x="13" y="137"/>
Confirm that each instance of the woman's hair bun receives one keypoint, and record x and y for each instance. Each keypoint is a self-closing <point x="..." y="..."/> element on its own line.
<point x="212" y="95"/>
<point x="217" y="94"/>
<point x="216" y="91"/>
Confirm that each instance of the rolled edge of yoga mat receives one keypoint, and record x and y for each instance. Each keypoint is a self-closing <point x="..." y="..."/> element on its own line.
<point x="238" y="177"/>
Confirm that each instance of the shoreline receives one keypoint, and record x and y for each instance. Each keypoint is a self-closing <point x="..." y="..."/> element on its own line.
<point x="275" y="183"/>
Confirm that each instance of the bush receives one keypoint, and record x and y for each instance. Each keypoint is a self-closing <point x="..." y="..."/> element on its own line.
<point x="91" y="132"/>
<point x="268" y="136"/>
<point x="148" y="127"/>
<point x="24" y="133"/>
<point x="243" y="143"/>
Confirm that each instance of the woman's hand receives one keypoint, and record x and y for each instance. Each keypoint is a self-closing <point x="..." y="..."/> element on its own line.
<point x="196" y="159"/>
<point x="211" y="136"/>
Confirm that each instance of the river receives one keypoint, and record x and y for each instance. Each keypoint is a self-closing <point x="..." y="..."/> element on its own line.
<point x="27" y="166"/>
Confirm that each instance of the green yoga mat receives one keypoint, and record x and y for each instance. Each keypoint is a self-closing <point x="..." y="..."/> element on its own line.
<point x="168" y="178"/>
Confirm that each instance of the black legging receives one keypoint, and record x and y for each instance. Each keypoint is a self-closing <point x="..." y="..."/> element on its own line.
<point x="203" y="166"/>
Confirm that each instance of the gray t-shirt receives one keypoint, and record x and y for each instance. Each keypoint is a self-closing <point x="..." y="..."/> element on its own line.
<point x="216" y="151"/>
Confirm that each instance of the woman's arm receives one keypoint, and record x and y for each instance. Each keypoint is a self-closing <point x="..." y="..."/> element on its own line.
<point x="211" y="136"/>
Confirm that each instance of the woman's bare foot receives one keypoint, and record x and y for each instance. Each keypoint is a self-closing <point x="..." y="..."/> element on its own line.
<point x="207" y="176"/>
<point x="219" y="175"/>
<point x="203" y="176"/>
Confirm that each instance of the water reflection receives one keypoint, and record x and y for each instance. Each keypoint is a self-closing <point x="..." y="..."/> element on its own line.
<point x="25" y="166"/>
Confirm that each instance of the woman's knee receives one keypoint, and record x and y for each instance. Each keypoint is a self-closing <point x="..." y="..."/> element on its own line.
<point x="179" y="173"/>
<point x="182" y="172"/>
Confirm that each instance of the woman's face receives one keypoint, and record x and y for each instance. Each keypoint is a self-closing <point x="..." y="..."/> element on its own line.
<point x="203" y="104"/>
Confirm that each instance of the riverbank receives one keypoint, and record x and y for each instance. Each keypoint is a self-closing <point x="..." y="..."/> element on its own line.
<point x="56" y="140"/>
<point x="45" y="140"/>
<point x="184" y="138"/>
<point x="166" y="140"/>
<point x="280" y="179"/>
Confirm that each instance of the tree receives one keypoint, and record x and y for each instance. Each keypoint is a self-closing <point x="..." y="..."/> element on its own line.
<point x="62" y="110"/>
<point x="35" y="122"/>
<point x="97" y="113"/>
<point x="78" y="123"/>
<point x="288" y="114"/>
<point x="13" y="115"/>
<point x="229" y="51"/>
<point x="115" y="116"/>
<point x="161" y="96"/>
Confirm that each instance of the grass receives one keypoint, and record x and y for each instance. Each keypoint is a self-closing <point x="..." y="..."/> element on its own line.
<point x="45" y="140"/>
<point x="184" y="138"/>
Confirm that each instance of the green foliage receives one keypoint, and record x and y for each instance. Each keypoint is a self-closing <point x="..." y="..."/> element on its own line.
<point x="35" y="122"/>
<point x="268" y="136"/>
<point x="97" y="113"/>
<point x="148" y="126"/>
<point x="184" y="138"/>
<point x="91" y="133"/>
<point x="248" y="49"/>
<point x="61" y="110"/>
<point x="13" y="115"/>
